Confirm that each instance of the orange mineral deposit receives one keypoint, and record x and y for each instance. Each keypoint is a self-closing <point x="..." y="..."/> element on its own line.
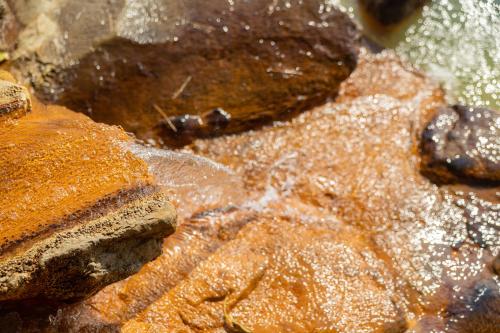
<point x="55" y="165"/>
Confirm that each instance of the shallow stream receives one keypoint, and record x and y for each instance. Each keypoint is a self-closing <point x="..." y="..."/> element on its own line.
<point x="457" y="42"/>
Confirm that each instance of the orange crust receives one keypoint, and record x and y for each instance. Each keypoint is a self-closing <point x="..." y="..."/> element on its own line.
<point x="54" y="165"/>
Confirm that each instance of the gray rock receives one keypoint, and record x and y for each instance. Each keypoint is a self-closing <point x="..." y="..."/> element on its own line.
<point x="462" y="144"/>
<point x="78" y="261"/>
<point x="138" y="63"/>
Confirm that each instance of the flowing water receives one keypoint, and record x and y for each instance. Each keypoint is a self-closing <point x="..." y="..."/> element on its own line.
<point x="306" y="225"/>
<point x="194" y="183"/>
<point x="456" y="42"/>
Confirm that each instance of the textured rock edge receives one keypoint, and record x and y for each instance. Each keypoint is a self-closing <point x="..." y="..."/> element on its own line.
<point x="77" y="262"/>
<point x="14" y="100"/>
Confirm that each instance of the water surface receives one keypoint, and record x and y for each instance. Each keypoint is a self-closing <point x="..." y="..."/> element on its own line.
<point x="457" y="42"/>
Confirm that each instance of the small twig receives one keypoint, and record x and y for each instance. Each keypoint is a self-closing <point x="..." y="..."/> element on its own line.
<point x="165" y="117"/>
<point x="182" y="87"/>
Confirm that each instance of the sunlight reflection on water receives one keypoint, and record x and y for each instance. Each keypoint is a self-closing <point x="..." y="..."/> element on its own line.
<point x="457" y="42"/>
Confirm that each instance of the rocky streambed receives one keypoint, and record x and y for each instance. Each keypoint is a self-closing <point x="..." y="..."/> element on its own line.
<point x="337" y="192"/>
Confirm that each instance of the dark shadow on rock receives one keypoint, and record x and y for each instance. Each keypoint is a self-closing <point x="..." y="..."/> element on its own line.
<point x="390" y="11"/>
<point x="462" y="145"/>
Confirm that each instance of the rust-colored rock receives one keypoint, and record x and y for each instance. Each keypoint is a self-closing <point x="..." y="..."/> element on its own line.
<point x="340" y="181"/>
<point x="193" y="242"/>
<point x="358" y="159"/>
<point x="148" y="65"/>
<point x="74" y="201"/>
<point x="391" y="11"/>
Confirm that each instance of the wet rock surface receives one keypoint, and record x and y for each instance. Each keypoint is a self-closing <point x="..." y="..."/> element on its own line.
<point x="496" y="265"/>
<point x="79" y="210"/>
<point x="320" y="187"/>
<point x="74" y="263"/>
<point x="391" y="11"/>
<point x="196" y="239"/>
<point x="462" y="144"/>
<point x="14" y="99"/>
<point x="376" y="122"/>
<point x="137" y="64"/>
<point x="9" y="28"/>
<point x="279" y="276"/>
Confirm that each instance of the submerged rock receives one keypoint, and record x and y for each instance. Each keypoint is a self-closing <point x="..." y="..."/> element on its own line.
<point x="137" y="64"/>
<point x="462" y="144"/>
<point x="358" y="159"/>
<point x="391" y="11"/>
<point x="279" y="275"/>
<point x="78" y="209"/>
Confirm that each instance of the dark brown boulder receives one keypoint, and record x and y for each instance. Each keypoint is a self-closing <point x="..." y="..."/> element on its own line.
<point x="391" y="11"/>
<point x="462" y="144"/>
<point x="78" y="210"/>
<point x="138" y="64"/>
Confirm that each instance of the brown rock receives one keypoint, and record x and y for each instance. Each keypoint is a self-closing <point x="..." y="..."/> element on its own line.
<point x="477" y="310"/>
<point x="206" y="195"/>
<point x="462" y="144"/>
<point x="15" y="101"/>
<point x="340" y="181"/>
<point x="496" y="265"/>
<point x="76" y="262"/>
<point x="358" y="159"/>
<point x="138" y="63"/>
<point x="193" y="242"/>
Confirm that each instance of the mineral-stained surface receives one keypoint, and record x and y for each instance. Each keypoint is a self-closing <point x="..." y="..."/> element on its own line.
<point x="173" y="69"/>
<point x="78" y="209"/>
<point x="462" y="143"/>
<point x="339" y="232"/>
<point x="15" y="101"/>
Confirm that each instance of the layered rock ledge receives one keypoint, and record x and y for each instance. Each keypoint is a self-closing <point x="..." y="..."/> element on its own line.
<point x="79" y="210"/>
